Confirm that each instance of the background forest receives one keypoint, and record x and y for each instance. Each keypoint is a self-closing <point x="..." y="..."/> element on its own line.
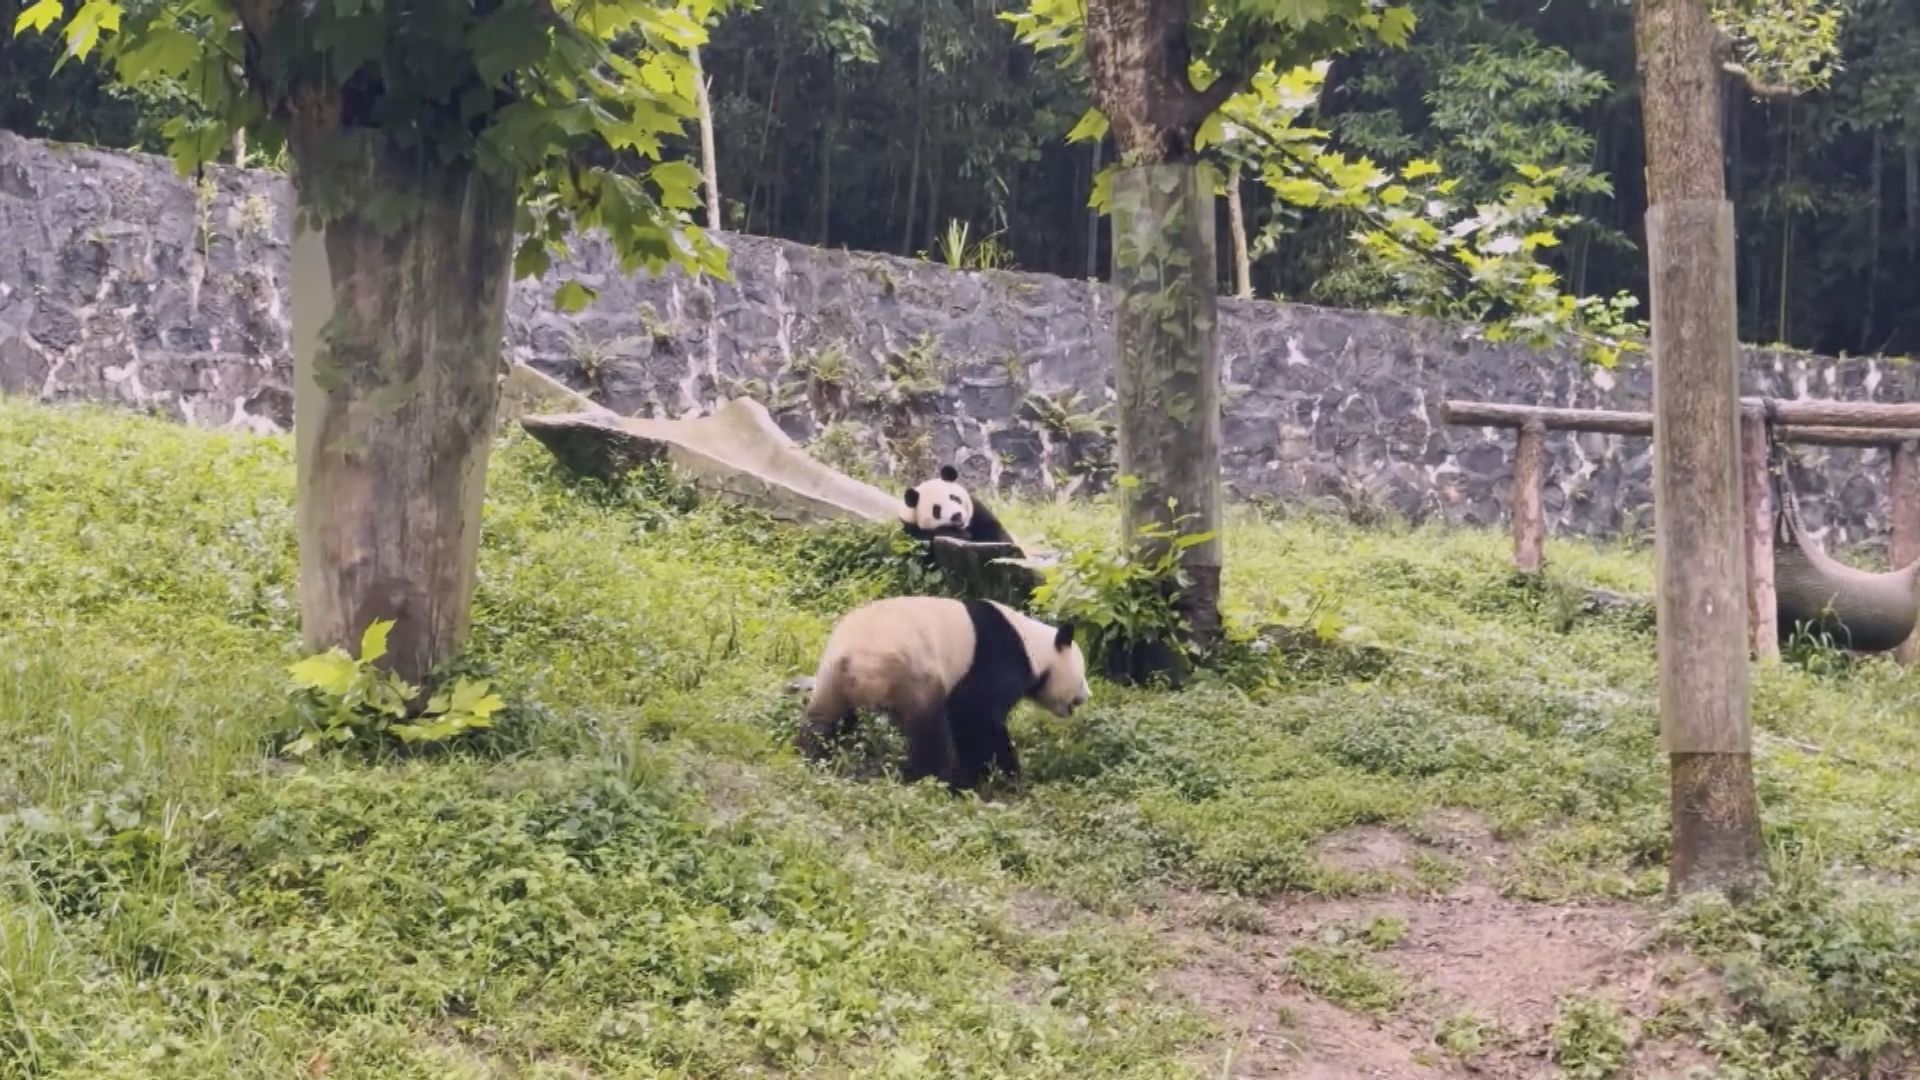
<point x="891" y="125"/>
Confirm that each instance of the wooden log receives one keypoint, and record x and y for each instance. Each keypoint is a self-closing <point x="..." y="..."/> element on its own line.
<point x="1763" y="615"/>
<point x="1529" y="513"/>
<point x="1499" y="414"/>
<point x="1819" y="427"/>
<point x="1904" y="496"/>
<point x="1864" y="438"/>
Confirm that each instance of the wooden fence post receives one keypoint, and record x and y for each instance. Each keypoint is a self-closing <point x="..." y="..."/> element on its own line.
<point x="1903" y="497"/>
<point x="1763" y="613"/>
<point x="1529" y="512"/>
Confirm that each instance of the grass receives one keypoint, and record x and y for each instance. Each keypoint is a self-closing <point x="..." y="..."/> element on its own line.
<point x="636" y="877"/>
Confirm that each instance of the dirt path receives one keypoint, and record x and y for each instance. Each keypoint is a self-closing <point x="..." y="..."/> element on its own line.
<point x="1479" y="980"/>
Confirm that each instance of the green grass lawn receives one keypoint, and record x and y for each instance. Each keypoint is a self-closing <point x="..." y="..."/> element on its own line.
<point x="634" y="876"/>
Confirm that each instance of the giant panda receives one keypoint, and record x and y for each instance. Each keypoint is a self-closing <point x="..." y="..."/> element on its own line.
<point x="942" y="507"/>
<point x="947" y="673"/>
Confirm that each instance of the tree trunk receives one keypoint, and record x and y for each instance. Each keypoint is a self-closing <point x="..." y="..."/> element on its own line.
<point x="1699" y="545"/>
<point x="1911" y="153"/>
<point x="1237" y="237"/>
<point x="240" y="147"/>
<point x="1093" y="216"/>
<point x="1875" y="202"/>
<point x="1780" y="327"/>
<point x="1169" y="377"/>
<point x="709" y="164"/>
<point x="1165" y="305"/>
<point x="397" y="336"/>
<point x="829" y="129"/>
<point x="919" y="138"/>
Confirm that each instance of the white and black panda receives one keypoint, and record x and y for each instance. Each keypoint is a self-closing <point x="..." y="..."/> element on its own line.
<point x="942" y="507"/>
<point x="947" y="673"/>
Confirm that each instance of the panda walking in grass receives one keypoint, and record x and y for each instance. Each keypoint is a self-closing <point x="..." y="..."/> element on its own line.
<point x="947" y="673"/>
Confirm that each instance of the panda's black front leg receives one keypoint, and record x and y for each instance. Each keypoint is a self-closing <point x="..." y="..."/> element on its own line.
<point x="980" y="742"/>
<point x="1001" y="756"/>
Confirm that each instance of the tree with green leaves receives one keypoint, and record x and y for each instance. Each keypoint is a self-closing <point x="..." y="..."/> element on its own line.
<point x="1160" y="70"/>
<point x="425" y="136"/>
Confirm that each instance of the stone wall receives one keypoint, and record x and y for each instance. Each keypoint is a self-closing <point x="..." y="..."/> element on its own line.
<point x="121" y="282"/>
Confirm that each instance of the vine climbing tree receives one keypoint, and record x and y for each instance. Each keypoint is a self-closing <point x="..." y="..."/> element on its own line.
<point x="1160" y="70"/>
<point x="423" y="136"/>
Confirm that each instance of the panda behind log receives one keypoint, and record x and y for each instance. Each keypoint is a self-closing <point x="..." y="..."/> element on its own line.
<point x="943" y="507"/>
<point x="947" y="673"/>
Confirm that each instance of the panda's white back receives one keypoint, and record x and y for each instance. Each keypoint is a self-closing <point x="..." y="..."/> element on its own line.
<point x="895" y="653"/>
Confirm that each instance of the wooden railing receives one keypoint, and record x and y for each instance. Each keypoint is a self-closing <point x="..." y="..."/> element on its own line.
<point x="1895" y="427"/>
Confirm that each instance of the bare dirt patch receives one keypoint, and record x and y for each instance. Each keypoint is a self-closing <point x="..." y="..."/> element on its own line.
<point x="1469" y="960"/>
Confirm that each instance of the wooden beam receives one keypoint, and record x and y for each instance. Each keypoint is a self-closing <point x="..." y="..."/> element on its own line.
<point x="1865" y="438"/>
<point x="1497" y="414"/>
<point x="1763" y="614"/>
<point x="1904" y="497"/>
<point x="1831" y="423"/>
<point x="1529" y="512"/>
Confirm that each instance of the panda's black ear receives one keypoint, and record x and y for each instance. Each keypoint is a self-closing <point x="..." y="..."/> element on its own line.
<point x="913" y="496"/>
<point x="950" y="474"/>
<point x="1063" y="637"/>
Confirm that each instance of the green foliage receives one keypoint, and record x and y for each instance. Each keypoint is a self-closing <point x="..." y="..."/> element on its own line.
<point x="1431" y="250"/>
<point x="1590" y="1039"/>
<point x="1251" y="36"/>
<point x="1338" y="966"/>
<point x="1816" y="967"/>
<point x="1121" y="599"/>
<point x="1465" y="1036"/>
<point x="537" y="95"/>
<point x="959" y="253"/>
<point x="342" y="699"/>
<point x="1784" y="44"/>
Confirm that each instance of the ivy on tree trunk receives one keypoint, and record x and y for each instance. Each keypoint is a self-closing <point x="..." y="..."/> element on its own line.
<point x="1165" y="318"/>
<point x="399" y="307"/>
<point x="1165" y="296"/>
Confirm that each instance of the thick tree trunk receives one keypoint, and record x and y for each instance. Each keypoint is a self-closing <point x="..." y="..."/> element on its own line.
<point x="1699" y="545"/>
<point x="397" y="336"/>
<point x="1164" y="268"/>
<point x="709" y="163"/>
<point x="1169" y="378"/>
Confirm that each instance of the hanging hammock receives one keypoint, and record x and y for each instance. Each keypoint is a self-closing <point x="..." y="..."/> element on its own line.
<point x="1858" y="610"/>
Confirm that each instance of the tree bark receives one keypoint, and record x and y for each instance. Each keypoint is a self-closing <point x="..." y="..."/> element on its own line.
<point x="1911" y="155"/>
<point x="1763" y="597"/>
<point x="709" y="163"/>
<point x="1169" y="378"/>
<point x="1699" y="547"/>
<point x="1164" y="275"/>
<point x="1093" y="217"/>
<point x="1529" y="510"/>
<point x="1904" y="503"/>
<point x="397" y="336"/>
<point x="1139" y="53"/>
<point x="1237" y="238"/>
